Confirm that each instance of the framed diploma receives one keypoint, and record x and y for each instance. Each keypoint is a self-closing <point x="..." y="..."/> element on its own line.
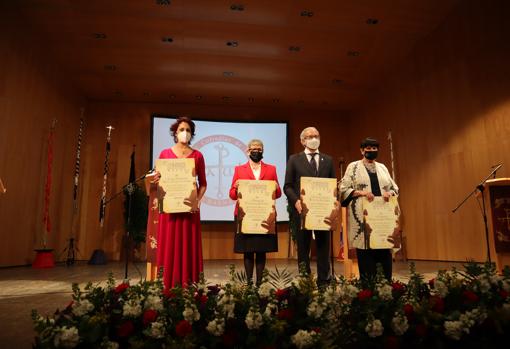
<point x="319" y="202"/>
<point x="256" y="213"/>
<point x="177" y="189"/>
<point x="382" y="222"/>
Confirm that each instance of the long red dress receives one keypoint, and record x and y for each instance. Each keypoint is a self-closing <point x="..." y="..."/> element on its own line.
<point x="179" y="236"/>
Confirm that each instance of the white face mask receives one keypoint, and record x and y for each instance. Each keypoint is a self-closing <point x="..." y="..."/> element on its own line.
<point x="183" y="137"/>
<point x="313" y="143"/>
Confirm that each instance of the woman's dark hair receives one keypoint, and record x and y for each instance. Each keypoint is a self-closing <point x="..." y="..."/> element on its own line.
<point x="369" y="142"/>
<point x="175" y="126"/>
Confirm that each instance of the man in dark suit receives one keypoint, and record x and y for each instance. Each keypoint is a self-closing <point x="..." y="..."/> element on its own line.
<point x="309" y="163"/>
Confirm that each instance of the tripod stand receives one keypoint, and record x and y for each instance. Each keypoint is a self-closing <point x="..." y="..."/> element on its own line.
<point x="481" y="187"/>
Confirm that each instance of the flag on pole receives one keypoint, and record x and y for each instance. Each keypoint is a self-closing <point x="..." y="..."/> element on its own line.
<point x="102" y="207"/>
<point x="47" y="187"/>
<point x="77" y="164"/>
<point x="132" y="174"/>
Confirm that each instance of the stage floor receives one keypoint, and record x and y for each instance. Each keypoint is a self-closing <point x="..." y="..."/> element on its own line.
<point x="24" y="288"/>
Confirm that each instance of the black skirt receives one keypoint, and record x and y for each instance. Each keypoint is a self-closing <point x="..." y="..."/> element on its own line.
<point x="245" y="243"/>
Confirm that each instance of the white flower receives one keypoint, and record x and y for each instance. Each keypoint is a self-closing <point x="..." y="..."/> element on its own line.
<point x="350" y="291"/>
<point x="303" y="339"/>
<point x="399" y="324"/>
<point x="153" y="302"/>
<point x="226" y="304"/>
<point x="374" y="328"/>
<point x="191" y="313"/>
<point x="216" y="327"/>
<point x="271" y="308"/>
<point x="384" y="292"/>
<point x="506" y="285"/>
<point x="265" y="290"/>
<point x="485" y="285"/>
<point x="82" y="307"/>
<point x="453" y="329"/>
<point x="132" y="309"/>
<point x="202" y="287"/>
<point x="66" y="337"/>
<point x="315" y="309"/>
<point x="441" y="288"/>
<point x="253" y="320"/>
<point x="157" y="330"/>
<point x="109" y="345"/>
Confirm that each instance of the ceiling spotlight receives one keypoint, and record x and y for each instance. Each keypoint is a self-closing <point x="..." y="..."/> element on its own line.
<point x="99" y="36"/>
<point x="163" y="2"/>
<point x="167" y="39"/>
<point x="251" y="99"/>
<point x="353" y="53"/>
<point x="110" y="67"/>
<point x="232" y="43"/>
<point x="237" y="7"/>
<point x="198" y="97"/>
<point x="372" y="21"/>
<point x="276" y="100"/>
<point x="337" y="81"/>
<point x="294" y="48"/>
<point x="228" y="74"/>
<point x="306" y="13"/>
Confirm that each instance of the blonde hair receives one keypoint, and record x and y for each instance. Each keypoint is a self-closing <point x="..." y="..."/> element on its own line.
<point x="255" y="141"/>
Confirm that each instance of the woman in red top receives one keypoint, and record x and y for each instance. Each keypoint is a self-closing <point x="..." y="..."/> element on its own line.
<point x="254" y="244"/>
<point x="179" y="250"/>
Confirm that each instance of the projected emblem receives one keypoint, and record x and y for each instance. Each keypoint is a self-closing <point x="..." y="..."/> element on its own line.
<point x="223" y="154"/>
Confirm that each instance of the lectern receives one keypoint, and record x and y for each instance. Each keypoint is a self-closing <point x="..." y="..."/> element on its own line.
<point x="497" y="197"/>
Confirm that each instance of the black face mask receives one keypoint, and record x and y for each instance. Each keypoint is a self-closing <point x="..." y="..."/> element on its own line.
<point x="371" y="155"/>
<point x="256" y="156"/>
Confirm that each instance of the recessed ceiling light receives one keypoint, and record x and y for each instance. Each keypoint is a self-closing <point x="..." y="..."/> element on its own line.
<point x="306" y="13"/>
<point x="276" y="100"/>
<point x="294" y="48"/>
<point x="163" y="2"/>
<point x="167" y="39"/>
<point x="372" y="21"/>
<point x="237" y="7"/>
<point x="110" y="67"/>
<point x="251" y="99"/>
<point x="228" y="74"/>
<point x="198" y="97"/>
<point x="353" y="53"/>
<point x="232" y="43"/>
<point x="337" y="81"/>
<point x="99" y="36"/>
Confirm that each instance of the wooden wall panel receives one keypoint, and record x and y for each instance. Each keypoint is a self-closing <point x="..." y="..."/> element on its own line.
<point x="449" y="110"/>
<point x="132" y="126"/>
<point x="32" y="93"/>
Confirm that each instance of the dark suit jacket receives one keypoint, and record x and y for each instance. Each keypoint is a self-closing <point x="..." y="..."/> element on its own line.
<point x="267" y="172"/>
<point x="298" y="166"/>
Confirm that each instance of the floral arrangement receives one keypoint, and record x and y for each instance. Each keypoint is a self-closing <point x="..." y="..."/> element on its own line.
<point x="469" y="308"/>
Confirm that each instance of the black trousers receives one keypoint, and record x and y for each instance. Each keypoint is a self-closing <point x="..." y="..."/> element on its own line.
<point x="368" y="260"/>
<point x="322" y="243"/>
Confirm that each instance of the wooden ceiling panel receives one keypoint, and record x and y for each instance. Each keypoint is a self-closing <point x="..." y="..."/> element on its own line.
<point x="321" y="53"/>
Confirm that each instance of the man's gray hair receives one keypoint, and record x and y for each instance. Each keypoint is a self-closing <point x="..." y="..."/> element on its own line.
<point x="255" y="141"/>
<point x="302" y="135"/>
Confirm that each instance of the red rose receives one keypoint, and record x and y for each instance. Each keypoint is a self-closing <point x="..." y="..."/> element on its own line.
<point x="437" y="304"/>
<point x="469" y="297"/>
<point x="398" y="287"/>
<point x="285" y="314"/>
<point x="504" y="294"/>
<point x="421" y="330"/>
<point x="202" y="299"/>
<point x="183" y="328"/>
<point x="121" y="288"/>
<point x="281" y="294"/>
<point x="363" y="295"/>
<point x="316" y="329"/>
<point x="408" y="311"/>
<point x="149" y="316"/>
<point x="125" y="329"/>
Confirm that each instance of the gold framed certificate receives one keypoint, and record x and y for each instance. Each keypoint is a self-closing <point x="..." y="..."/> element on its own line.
<point x="177" y="189"/>
<point x="382" y="222"/>
<point x="319" y="203"/>
<point x="257" y="212"/>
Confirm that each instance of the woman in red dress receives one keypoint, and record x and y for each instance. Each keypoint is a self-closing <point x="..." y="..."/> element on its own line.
<point x="254" y="244"/>
<point x="179" y="250"/>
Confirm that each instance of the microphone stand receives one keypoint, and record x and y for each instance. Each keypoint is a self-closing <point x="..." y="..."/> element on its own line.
<point x="130" y="188"/>
<point x="481" y="187"/>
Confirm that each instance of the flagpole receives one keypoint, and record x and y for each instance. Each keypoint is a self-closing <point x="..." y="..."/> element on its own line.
<point x="98" y="256"/>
